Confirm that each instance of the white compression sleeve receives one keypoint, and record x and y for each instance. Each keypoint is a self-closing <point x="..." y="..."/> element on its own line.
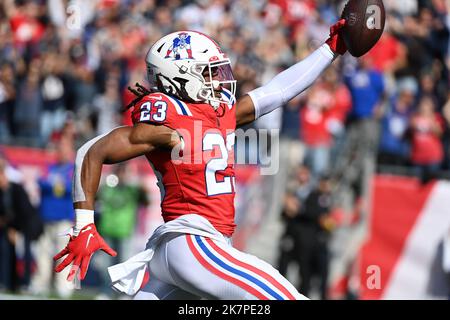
<point x="291" y="82"/>
<point x="77" y="189"/>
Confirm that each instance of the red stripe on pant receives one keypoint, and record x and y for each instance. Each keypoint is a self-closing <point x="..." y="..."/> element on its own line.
<point x="259" y="272"/>
<point x="219" y="273"/>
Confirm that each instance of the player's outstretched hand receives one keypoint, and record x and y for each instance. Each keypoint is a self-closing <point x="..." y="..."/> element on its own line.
<point x="80" y="249"/>
<point x="336" y="41"/>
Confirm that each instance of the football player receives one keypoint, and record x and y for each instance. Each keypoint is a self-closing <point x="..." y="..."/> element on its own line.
<point x="185" y="130"/>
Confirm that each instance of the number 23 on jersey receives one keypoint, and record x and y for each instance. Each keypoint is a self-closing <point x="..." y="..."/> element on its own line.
<point x="158" y="113"/>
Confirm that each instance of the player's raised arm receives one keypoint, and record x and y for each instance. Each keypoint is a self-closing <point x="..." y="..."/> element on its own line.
<point x="120" y="144"/>
<point x="291" y="82"/>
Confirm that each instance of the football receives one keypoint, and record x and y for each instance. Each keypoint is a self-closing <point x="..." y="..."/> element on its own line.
<point x="365" y="20"/>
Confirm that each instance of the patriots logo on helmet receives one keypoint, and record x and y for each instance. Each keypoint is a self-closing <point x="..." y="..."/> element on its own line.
<point x="180" y="44"/>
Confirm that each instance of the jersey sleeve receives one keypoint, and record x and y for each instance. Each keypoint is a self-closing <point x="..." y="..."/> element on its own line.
<point x="156" y="109"/>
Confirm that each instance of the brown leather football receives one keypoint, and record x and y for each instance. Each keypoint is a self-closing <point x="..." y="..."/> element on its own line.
<point x="365" y="25"/>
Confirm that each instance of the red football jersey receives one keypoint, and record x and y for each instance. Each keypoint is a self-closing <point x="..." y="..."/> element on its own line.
<point x="198" y="175"/>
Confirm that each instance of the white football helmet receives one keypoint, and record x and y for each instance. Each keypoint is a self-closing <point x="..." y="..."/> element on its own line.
<point x="176" y="64"/>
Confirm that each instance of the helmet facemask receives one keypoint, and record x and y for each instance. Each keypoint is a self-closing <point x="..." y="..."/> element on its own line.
<point x="218" y="78"/>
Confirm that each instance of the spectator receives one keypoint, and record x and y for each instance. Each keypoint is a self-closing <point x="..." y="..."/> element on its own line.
<point x="7" y="251"/>
<point x="118" y="203"/>
<point x="17" y="215"/>
<point x="314" y="227"/>
<point x="291" y="147"/>
<point x="428" y="86"/>
<point x="68" y="131"/>
<point x="7" y="98"/>
<point x="322" y="121"/>
<point x="446" y="113"/>
<point x="388" y="55"/>
<point x="53" y="96"/>
<point x="28" y="105"/>
<point x="427" y="151"/>
<point x="339" y="106"/>
<point x="57" y="213"/>
<point x="26" y="25"/>
<point x="394" y="147"/>
<point x="314" y="118"/>
<point x="293" y="202"/>
<point x="288" y="252"/>
<point x="366" y="86"/>
<point x="107" y="107"/>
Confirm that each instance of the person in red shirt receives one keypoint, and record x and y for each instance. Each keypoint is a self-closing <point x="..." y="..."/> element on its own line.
<point x="388" y="55"/>
<point x="426" y="130"/>
<point x="24" y="23"/>
<point x="322" y="121"/>
<point x="314" y="117"/>
<point x="340" y="106"/>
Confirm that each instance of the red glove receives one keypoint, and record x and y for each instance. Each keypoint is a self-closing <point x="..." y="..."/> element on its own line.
<point x="335" y="41"/>
<point x="80" y="250"/>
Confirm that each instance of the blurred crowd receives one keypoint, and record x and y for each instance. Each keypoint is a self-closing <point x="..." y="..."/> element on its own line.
<point x="71" y="61"/>
<point x="33" y="232"/>
<point x="65" y="66"/>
